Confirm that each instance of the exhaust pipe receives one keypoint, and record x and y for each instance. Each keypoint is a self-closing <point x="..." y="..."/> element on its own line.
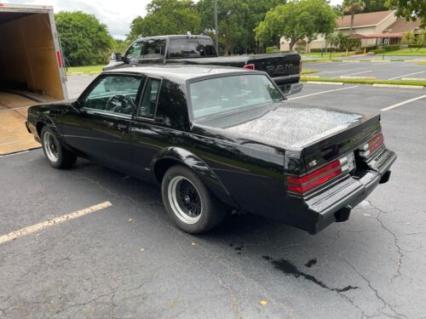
<point x="342" y="214"/>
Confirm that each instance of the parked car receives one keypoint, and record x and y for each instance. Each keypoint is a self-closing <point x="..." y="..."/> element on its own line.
<point x="217" y="139"/>
<point x="284" y="68"/>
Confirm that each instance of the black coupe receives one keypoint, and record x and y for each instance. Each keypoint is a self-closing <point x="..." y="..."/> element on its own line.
<point x="219" y="139"/>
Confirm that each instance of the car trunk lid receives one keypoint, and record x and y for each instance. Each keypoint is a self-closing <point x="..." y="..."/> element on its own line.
<point x="345" y="142"/>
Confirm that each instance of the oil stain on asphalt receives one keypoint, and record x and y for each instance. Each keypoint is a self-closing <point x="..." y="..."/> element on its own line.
<point x="311" y="262"/>
<point x="290" y="269"/>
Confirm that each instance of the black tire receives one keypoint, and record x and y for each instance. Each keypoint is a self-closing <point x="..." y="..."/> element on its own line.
<point x="182" y="182"/>
<point x="56" y="154"/>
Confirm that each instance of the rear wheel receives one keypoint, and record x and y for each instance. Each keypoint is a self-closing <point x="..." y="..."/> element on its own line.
<point x="56" y="154"/>
<point x="188" y="202"/>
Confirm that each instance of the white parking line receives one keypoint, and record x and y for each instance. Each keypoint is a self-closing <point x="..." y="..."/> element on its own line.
<point x="52" y="222"/>
<point x="405" y="75"/>
<point x="338" y="71"/>
<point x="391" y="107"/>
<point x="322" y="92"/>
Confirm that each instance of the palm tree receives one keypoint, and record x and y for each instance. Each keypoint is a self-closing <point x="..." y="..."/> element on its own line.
<point x="352" y="7"/>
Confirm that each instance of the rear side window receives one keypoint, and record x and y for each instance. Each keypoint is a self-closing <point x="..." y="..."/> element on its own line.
<point x="191" y="48"/>
<point x="172" y="110"/>
<point x="149" y="99"/>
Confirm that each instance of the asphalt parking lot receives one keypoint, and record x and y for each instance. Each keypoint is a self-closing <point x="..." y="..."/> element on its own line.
<point x="127" y="260"/>
<point x="354" y="68"/>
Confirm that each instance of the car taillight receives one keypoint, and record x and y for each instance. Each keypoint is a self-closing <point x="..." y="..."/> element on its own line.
<point x="303" y="184"/>
<point x="372" y="145"/>
<point x="250" y="66"/>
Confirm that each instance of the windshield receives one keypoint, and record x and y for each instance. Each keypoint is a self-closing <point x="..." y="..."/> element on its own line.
<point x="191" y="48"/>
<point x="232" y="93"/>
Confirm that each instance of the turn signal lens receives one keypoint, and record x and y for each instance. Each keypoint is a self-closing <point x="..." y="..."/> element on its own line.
<point x="305" y="183"/>
<point x="373" y="145"/>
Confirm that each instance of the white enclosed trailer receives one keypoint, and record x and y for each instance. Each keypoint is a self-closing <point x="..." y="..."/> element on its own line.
<point x="31" y="69"/>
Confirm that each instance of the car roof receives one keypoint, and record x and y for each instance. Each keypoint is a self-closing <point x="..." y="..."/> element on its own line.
<point x="182" y="72"/>
<point x="175" y="36"/>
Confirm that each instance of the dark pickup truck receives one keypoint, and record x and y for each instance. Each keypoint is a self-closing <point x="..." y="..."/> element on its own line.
<point x="283" y="68"/>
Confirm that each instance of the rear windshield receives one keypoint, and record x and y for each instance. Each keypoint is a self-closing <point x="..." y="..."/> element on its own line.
<point x="191" y="48"/>
<point x="238" y="93"/>
<point x="146" y="49"/>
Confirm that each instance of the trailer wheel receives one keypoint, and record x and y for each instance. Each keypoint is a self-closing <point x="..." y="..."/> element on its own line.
<point x="56" y="154"/>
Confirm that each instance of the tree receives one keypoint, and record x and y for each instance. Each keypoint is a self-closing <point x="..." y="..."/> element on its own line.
<point x="167" y="17"/>
<point x="237" y="20"/>
<point x="346" y="43"/>
<point x="342" y="41"/>
<point x="408" y="38"/>
<point x="410" y="9"/>
<point x="84" y="40"/>
<point x="120" y="46"/>
<point x="352" y="7"/>
<point x="375" y="5"/>
<point x="296" y="20"/>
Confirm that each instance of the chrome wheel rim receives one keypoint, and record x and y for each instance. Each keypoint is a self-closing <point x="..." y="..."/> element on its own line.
<point x="50" y="146"/>
<point x="185" y="200"/>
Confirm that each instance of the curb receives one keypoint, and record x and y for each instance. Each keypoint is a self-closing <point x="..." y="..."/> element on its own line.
<point x="416" y="87"/>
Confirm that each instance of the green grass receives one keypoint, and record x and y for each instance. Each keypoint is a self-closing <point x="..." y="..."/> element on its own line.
<point x="309" y="71"/>
<point x="91" y="69"/>
<point x="366" y="81"/>
<point x="406" y="52"/>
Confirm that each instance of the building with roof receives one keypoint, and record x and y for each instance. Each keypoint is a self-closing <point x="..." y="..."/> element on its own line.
<point x="372" y="28"/>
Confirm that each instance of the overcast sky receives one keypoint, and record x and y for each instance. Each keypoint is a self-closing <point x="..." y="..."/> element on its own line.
<point x="116" y="14"/>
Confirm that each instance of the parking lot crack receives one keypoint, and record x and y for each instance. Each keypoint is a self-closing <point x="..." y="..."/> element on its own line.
<point x="385" y="304"/>
<point x="80" y="305"/>
<point x="395" y="239"/>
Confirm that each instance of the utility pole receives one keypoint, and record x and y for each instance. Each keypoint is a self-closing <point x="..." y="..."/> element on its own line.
<point x="216" y="27"/>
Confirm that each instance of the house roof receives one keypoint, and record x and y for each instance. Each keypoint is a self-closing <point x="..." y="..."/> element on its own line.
<point x="386" y="35"/>
<point x="401" y="26"/>
<point x="363" y="19"/>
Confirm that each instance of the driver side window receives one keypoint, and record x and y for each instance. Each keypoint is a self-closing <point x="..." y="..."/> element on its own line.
<point x="114" y="93"/>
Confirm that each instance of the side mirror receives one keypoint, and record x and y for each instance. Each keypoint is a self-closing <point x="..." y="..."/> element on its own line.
<point x="76" y="106"/>
<point x="117" y="57"/>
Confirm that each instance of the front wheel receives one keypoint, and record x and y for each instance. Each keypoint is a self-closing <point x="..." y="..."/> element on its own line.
<point x="188" y="202"/>
<point x="56" y="154"/>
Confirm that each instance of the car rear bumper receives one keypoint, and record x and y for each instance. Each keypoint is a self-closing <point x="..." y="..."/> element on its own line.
<point x="336" y="203"/>
<point x="289" y="84"/>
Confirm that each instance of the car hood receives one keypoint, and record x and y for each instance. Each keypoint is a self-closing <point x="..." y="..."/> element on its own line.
<point x="286" y="126"/>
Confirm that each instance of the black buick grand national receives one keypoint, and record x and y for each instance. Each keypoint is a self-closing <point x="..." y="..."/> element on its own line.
<point x="217" y="140"/>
